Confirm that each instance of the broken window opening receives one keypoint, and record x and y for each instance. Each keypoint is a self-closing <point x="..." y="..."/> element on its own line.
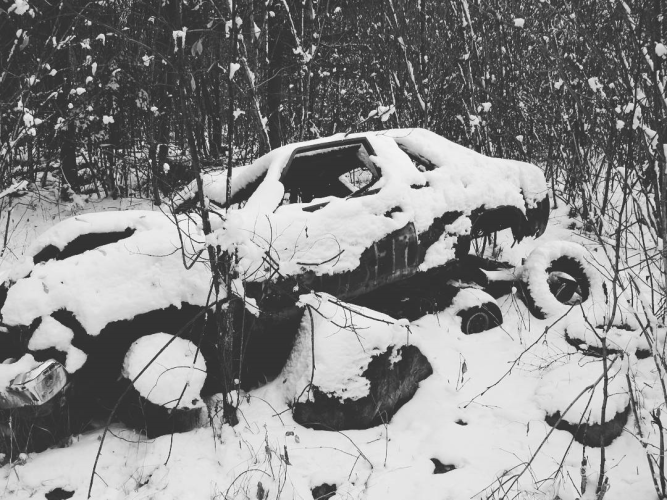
<point x="340" y="171"/>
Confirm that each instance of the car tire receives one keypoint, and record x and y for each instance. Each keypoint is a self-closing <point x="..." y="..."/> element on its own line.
<point x="557" y="277"/>
<point x="477" y="309"/>
<point x="140" y="414"/>
<point x="480" y="318"/>
<point x="165" y="398"/>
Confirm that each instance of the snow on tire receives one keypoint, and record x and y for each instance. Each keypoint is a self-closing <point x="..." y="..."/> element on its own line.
<point x="175" y="378"/>
<point x="568" y="259"/>
<point x="165" y="396"/>
<point x="477" y="309"/>
<point x="572" y="397"/>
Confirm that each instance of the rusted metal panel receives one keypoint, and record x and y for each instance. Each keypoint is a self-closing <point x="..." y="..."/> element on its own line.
<point x="390" y="259"/>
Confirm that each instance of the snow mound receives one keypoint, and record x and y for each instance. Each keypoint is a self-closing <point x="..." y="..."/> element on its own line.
<point x="617" y="339"/>
<point x="117" y="281"/>
<point x="174" y="379"/>
<point x="498" y="176"/>
<point x="561" y="384"/>
<point x="467" y="298"/>
<point x="52" y="333"/>
<point x="346" y="338"/>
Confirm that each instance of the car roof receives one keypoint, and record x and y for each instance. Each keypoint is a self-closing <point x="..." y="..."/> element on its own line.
<point x="426" y="148"/>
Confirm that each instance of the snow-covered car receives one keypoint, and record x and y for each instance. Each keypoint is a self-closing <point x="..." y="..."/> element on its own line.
<point x="381" y="219"/>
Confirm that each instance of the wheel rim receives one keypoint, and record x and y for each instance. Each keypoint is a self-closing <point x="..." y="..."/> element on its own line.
<point x="477" y="323"/>
<point x="571" y="259"/>
<point x="565" y="288"/>
<point x="567" y="281"/>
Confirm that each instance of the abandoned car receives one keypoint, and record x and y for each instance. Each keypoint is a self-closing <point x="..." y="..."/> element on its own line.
<point x="383" y="220"/>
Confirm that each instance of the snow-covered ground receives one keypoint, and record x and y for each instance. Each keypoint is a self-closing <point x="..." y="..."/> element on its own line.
<point x="482" y="412"/>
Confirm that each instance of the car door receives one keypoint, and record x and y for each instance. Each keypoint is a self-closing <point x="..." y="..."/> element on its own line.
<point x="343" y="169"/>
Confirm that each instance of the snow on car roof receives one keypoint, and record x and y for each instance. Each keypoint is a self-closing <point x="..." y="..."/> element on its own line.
<point x="471" y="166"/>
<point x="460" y="165"/>
<point x="215" y="181"/>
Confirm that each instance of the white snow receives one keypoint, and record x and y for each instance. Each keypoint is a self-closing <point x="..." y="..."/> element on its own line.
<point x="179" y="34"/>
<point x="28" y="119"/>
<point x="345" y="343"/>
<point x="138" y="274"/>
<point x="233" y="68"/>
<point x="498" y="386"/>
<point x="596" y="86"/>
<point x="19" y="7"/>
<point x="75" y="359"/>
<point x="468" y="298"/>
<point x="563" y="382"/>
<point x="384" y="112"/>
<point x="620" y="339"/>
<point x="499" y="383"/>
<point x="174" y="379"/>
<point x="442" y="250"/>
<point x="52" y="333"/>
<point x="465" y="166"/>
<point x="17" y="186"/>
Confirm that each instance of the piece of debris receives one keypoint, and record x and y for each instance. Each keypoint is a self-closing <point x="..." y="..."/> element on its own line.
<point x="59" y="494"/>
<point x="441" y="468"/>
<point x="323" y="491"/>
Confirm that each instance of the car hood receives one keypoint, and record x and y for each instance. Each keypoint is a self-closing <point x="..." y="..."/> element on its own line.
<point x="142" y="272"/>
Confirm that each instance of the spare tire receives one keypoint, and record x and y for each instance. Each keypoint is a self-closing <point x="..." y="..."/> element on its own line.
<point x="557" y="276"/>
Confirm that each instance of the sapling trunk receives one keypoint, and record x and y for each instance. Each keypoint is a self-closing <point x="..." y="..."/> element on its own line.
<point x="218" y="266"/>
<point x="605" y="397"/>
<point x="228" y="335"/>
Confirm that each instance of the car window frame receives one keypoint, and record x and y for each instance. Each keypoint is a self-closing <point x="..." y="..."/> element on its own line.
<point x="362" y="142"/>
